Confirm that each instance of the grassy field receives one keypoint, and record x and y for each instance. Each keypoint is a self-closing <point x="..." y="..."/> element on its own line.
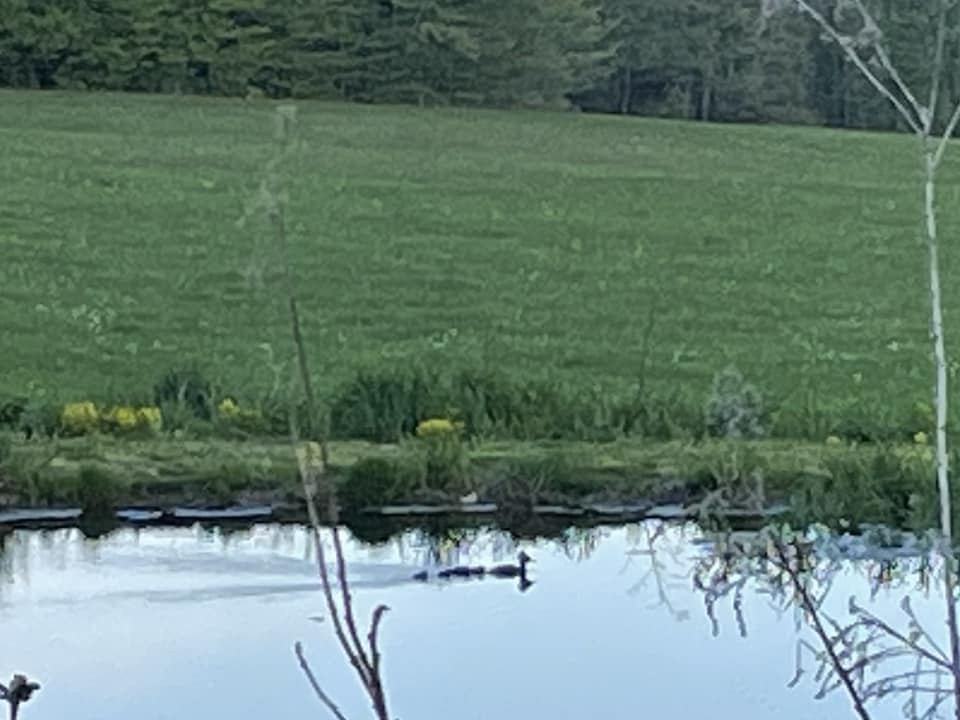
<point x="532" y="242"/>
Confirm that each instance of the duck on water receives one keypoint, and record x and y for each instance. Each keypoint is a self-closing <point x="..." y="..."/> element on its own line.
<point x="503" y="571"/>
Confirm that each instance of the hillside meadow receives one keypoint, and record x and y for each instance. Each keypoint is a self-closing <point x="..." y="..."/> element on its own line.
<point x="539" y="244"/>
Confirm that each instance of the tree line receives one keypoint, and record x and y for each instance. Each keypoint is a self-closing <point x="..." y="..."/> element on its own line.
<point x="697" y="59"/>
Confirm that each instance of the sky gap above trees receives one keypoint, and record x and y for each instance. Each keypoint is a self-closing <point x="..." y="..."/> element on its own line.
<point x="696" y="59"/>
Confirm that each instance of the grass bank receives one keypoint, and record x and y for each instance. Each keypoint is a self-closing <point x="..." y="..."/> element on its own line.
<point x="840" y="484"/>
<point x="537" y="244"/>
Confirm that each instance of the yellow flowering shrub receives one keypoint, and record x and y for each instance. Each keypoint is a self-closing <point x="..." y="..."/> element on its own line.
<point x="128" y="418"/>
<point x="433" y="427"/>
<point x="82" y="418"/>
<point x="228" y="408"/>
<point x="123" y="417"/>
<point x="79" y="418"/>
<point x="236" y="417"/>
<point x="444" y="454"/>
<point x="150" y="417"/>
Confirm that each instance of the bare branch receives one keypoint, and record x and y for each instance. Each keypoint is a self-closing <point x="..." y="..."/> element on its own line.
<point x="311" y="678"/>
<point x="348" y="604"/>
<point x="900" y="637"/>
<point x="854" y="56"/>
<point x="372" y="637"/>
<point x="821" y="632"/>
<point x="919" y="628"/>
<point x="325" y="578"/>
<point x="945" y="138"/>
<point x="937" y="72"/>
<point x="923" y="114"/>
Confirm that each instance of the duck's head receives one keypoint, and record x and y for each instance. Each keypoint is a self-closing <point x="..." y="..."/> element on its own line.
<point x="524" y="558"/>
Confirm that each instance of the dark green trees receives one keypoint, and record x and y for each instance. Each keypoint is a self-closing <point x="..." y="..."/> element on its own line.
<point x="698" y="59"/>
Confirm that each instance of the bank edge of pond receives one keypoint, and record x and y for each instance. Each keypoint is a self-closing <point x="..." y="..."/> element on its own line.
<point x="620" y="481"/>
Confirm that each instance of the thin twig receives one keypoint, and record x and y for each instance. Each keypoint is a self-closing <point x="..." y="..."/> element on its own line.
<point x="325" y="579"/>
<point x="348" y="603"/>
<point x="946" y="137"/>
<point x="937" y="74"/>
<point x="821" y="632"/>
<point x="374" y="628"/>
<point x="349" y="640"/>
<point x="884" y="57"/>
<point x="897" y="635"/>
<point x="311" y="678"/>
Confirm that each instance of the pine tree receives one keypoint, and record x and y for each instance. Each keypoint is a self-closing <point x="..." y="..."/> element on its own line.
<point x="329" y="45"/>
<point x="443" y="40"/>
<point x="535" y="53"/>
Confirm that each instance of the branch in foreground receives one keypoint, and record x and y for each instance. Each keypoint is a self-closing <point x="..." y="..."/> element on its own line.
<point x="312" y="679"/>
<point x="847" y="45"/>
<point x="313" y="460"/>
<point x="368" y="672"/>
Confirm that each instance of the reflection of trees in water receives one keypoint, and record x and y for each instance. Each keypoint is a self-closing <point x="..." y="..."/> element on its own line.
<point x="653" y="541"/>
<point x="6" y="557"/>
<point x="868" y="657"/>
<point x="580" y="543"/>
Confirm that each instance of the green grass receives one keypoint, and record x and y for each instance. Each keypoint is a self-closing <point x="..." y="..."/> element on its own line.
<point x="533" y="242"/>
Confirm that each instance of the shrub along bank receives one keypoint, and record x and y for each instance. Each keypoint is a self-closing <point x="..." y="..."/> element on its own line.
<point x="419" y="435"/>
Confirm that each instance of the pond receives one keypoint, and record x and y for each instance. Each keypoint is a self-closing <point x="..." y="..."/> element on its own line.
<point x="200" y="623"/>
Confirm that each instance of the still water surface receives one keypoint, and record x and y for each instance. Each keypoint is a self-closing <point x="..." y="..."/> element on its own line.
<point x="197" y="623"/>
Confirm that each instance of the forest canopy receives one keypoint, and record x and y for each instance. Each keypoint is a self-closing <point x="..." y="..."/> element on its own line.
<point x="698" y="59"/>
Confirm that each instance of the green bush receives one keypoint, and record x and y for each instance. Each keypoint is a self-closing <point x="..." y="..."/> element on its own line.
<point x="187" y="389"/>
<point x="868" y="423"/>
<point x="670" y="416"/>
<point x="6" y="448"/>
<point x="883" y="486"/>
<point x="11" y="411"/>
<point x="444" y="457"/>
<point x="386" y="405"/>
<point x="556" y="475"/>
<point x="40" y="419"/>
<point x="802" y="416"/>
<point x="375" y="481"/>
<point x="493" y="405"/>
<point x="38" y="489"/>
<point x="98" y="491"/>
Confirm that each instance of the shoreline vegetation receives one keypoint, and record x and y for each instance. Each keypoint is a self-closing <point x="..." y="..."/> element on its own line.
<point x="843" y="485"/>
<point x="412" y="442"/>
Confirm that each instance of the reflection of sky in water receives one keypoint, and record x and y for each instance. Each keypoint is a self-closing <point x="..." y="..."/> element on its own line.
<point x="182" y="623"/>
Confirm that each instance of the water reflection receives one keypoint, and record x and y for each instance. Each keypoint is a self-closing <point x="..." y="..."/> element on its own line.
<point x="869" y="657"/>
<point x="621" y="621"/>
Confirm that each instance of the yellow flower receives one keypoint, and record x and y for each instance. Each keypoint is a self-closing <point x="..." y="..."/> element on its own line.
<point x="920" y="438"/>
<point x="438" y="426"/>
<point x="123" y="416"/>
<point x="228" y="408"/>
<point x="80" y="416"/>
<point x="834" y="440"/>
<point x="150" y="417"/>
